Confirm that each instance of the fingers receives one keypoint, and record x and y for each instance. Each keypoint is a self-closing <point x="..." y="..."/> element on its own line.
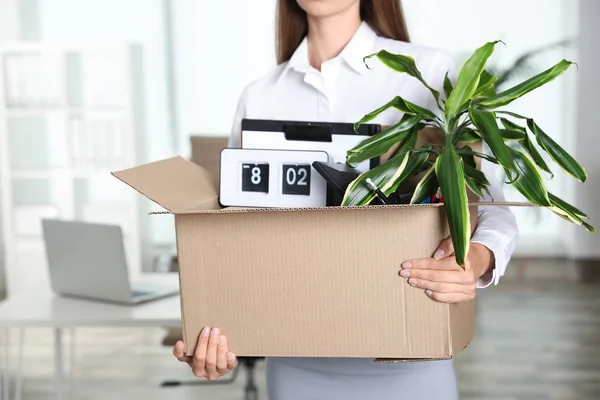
<point x="179" y="352"/>
<point x="445" y="249"/>
<point x="199" y="361"/>
<point x="222" y="355"/>
<point x="448" y="264"/>
<point x="437" y="275"/>
<point x="231" y="361"/>
<point x="449" y="297"/>
<point x="212" y="358"/>
<point x="442" y="279"/>
<point x="442" y="287"/>
<point x="211" y="355"/>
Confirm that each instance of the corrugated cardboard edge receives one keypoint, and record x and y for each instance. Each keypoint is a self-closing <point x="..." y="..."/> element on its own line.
<point x="333" y="208"/>
<point x="188" y="352"/>
<point x="406" y="360"/>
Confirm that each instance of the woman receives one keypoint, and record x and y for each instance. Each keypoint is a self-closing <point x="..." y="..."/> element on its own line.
<point x="321" y="77"/>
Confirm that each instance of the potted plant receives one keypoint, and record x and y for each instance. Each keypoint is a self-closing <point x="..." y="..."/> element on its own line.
<point x="471" y="111"/>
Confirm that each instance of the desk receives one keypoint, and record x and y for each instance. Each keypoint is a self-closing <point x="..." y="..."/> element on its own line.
<point x="38" y="307"/>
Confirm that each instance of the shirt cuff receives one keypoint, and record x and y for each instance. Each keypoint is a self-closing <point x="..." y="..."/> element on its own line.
<point x="496" y="245"/>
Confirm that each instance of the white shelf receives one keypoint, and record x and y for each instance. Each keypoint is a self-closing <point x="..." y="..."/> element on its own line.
<point x="59" y="173"/>
<point x="37" y="112"/>
<point x="90" y="118"/>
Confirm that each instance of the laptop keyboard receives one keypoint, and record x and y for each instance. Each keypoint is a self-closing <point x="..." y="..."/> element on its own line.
<point x="139" y="293"/>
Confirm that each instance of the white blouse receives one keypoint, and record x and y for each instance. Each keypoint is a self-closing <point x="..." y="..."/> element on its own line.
<point x="345" y="90"/>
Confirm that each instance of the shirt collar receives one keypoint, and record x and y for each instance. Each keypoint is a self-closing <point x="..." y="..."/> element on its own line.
<point x="360" y="46"/>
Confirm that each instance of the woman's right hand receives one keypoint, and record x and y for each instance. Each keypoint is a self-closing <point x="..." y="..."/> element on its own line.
<point x="212" y="358"/>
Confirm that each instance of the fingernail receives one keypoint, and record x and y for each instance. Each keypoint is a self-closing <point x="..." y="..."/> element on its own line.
<point x="406" y="264"/>
<point x="206" y="331"/>
<point x="230" y="356"/>
<point x="412" y="282"/>
<point x="215" y="332"/>
<point x="428" y="292"/>
<point x="404" y="273"/>
<point x="221" y="340"/>
<point x="439" y="254"/>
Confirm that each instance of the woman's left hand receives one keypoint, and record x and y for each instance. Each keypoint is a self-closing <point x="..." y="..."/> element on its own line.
<point x="442" y="278"/>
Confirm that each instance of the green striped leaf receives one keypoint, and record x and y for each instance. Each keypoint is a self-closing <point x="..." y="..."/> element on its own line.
<point x="400" y="104"/>
<point x="472" y="184"/>
<point x="557" y="153"/>
<point x="426" y="187"/>
<point x="447" y="86"/>
<point x="382" y="142"/>
<point x="509" y="95"/>
<point x="487" y="125"/>
<point x="411" y="141"/>
<point x="404" y="64"/>
<point x="512" y="135"/>
<point x="387" y="177"/>
<point x="467" y="157"/>
<point x="512" y="131"/>
<point x="416" y="161"/>
<point x="571" y="218"/>
<point x="486" y="85"/>
<point x="466" y="135"/>
<point x="529" y="181"/>
<point x="518" y="130"/>
<point x="467" y="151"/>
<point x="508" y="124"/>
<point x="512" y="114"/>
<point x="534" y="153"/>
<point x="468" y="80"/>
<point x="566" y="206"/>
<point x="450" y="172"/>
<point x="476" y="174"/>
<point x="475" y="179"/>
<point x="569" y="212"/>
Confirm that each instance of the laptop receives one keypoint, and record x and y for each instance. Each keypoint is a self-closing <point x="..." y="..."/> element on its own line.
<point x="87" y="260"/>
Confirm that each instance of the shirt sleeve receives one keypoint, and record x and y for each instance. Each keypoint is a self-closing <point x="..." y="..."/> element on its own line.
<point x="496" y="227"/>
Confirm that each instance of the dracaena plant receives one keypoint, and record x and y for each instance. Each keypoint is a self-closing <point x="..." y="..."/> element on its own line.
<point x="470" y="111"/>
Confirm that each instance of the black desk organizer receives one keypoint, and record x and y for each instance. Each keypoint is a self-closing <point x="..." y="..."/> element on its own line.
<point x="339" y="176"/>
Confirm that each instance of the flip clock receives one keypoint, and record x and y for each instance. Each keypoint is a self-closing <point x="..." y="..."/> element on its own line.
<point x="271" y="178"/>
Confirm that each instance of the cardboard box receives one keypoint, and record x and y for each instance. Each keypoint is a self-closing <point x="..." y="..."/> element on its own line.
<point x="304" y="282"/>
<point x="206" y="151"/>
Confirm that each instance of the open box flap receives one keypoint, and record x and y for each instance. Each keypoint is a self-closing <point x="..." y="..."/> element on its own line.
<point x="175" y="184"/>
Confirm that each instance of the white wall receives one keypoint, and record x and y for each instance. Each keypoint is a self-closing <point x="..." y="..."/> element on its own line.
<point x="220" y="47"/>
<point x="9" y="17"/>
<point x="9" y="31"/>
<point x="584" y="245"/>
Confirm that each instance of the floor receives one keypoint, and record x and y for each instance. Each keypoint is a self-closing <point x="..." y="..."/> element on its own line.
<point x="535" y="340"/>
